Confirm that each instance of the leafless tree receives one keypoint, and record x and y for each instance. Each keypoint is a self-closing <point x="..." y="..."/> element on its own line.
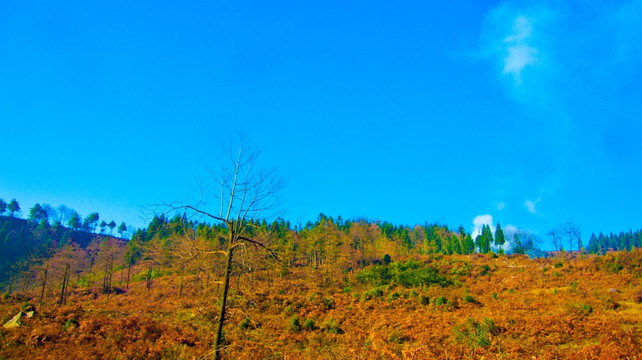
<point x="573" y="233"/>
<point x="569" y="231"/>
<point x="243" y="191"/>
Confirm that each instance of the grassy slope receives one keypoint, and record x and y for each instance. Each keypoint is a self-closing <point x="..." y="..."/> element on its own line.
<point x="537" y="310"/>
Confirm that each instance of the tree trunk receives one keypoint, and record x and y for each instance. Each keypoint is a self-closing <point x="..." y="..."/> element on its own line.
<point x="25" y="281"/>
<point x="44" y="283"/>
<point x="91" y="266"/>
<point x="221" y="316"/>
<point x="129" y="269"/>
<point x="180" y="287"/>
<point x="64" y="284"/>
<point x="67" y="286"/>
<point x="149" y="278"/>
<point x="198" y="283"/>
<point x="109" y="283"/>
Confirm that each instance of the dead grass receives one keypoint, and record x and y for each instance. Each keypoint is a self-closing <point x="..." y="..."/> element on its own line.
<point x="536" y="314"/>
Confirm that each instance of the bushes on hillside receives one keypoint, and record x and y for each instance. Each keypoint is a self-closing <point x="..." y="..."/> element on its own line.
<point x="408" y="274"/>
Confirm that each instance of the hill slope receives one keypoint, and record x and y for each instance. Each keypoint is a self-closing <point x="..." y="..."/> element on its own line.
<point x="430" y="307"/>
<point x="20" y="239"/>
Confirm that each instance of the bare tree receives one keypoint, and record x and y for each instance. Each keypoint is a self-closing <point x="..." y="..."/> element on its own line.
<point x="110" y="253"/>
<point x="569" y="231"/>
<point x="244" y="192"/>
<point x="573" y="233"/>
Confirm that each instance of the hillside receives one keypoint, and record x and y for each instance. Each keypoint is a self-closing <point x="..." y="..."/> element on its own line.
<point x="22" y="239"/>
<point x="329" y="289"/>
<point x="431" y="307"/>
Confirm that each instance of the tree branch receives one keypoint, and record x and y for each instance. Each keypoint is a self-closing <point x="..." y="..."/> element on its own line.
<point x="261" y="245"/>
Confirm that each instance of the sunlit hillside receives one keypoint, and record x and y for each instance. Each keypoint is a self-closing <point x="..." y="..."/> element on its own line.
<point x="413" y="307"/>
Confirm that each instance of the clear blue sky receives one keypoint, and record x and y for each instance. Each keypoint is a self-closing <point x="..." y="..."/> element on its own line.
<point x="528" y="111"/>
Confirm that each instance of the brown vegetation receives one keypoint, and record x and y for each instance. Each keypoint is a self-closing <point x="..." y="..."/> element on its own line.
<point x="493" y="307"/>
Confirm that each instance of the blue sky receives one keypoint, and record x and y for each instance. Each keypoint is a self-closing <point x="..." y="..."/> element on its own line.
<point x="527" y="111"/>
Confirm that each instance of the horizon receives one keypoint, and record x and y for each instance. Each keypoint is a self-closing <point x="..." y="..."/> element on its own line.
<point x="522" y="113"/>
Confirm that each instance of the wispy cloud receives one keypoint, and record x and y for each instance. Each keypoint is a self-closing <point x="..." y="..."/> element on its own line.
<point x="501" y="205"/>
<point x="531" y="205"/>
<point x="514" y="39"/>
<point x="479" y="221"/>
<point x="518" y="52"/>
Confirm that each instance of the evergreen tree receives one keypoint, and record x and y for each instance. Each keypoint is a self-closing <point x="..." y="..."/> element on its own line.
<point x="121" y="229"/>
<point x="469" y="244"/>
<point x="13" y="207"/>
<point x="602" y="243"/>
<point x="478" y="242"/>
<point x="499" y="236"/>
<point x="3" y="206"/>
<point x="486" y="238"/>
<point x="518" y="247"/>
<point x="462" y="241"/>
<point x="37" y="213"/>
<point x="102" y="226"/>
<point x="74" y="221"/>
<point x="638" y="239"/>
<point x="593" y="245"/>
<point x="111" y="226"/>
<point x="456" y="245"/>
<point x="90" y="222"/>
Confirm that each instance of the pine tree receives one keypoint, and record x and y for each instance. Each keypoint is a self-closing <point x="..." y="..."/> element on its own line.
<point x="3" y="206"/>
<point x="593" y="245"/>
<point x="456" y="245"/>
<point x="121" y="229"/>
<point x="13" y="207"/>
<point x="74" y="221"/>
<point x="486" y="238"/>
<point x="478" y="242"/>
<point x="500" y="239"/>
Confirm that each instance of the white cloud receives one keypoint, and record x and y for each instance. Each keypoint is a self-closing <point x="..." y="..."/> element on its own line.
<point x="501" y="205"/>
<point x="509" y="233"/>
<point x="518" y="52"/>
<point x="479" y="221"/>
<point x="531" y="205"/>
<point x="517" y="39"/>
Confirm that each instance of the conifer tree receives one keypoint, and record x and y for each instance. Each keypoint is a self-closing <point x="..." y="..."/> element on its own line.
<point x="90" y="222"/>
<point x="500" y="239"/>
<point x="13" y="207"/>
<point x="3" y="206"/>
<point x="102" y="226"/>
<point x="487" y="237"/>
<point x="121" y="229"/>
<point x="456" y="245"/>
<point x="74" y="221"/>
<point x="478" y="242"/>
<point x="37" y="213"/>
<point x="111" y="226"/>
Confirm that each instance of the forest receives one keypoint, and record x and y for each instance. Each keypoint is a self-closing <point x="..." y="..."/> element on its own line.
<point x="45" y="230"/>
<point x="223" y="282"/>
<point x="332" y="288"/>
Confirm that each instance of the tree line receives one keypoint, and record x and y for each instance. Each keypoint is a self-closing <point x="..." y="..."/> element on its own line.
<point x="45" y="228"/>
<point x="45" y="215"/>
<point x="601" y="243"/>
